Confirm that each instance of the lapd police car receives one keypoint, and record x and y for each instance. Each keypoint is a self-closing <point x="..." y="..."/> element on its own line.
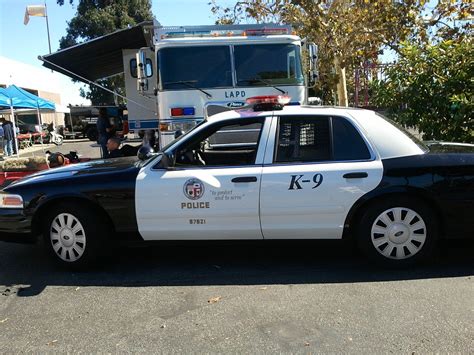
<point x="271" y="172"/>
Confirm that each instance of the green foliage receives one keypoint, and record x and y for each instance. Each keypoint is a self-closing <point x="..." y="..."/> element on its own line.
<point x="95" y="18"/>
<point x="350" y="31"/>
<point x="431" y="88"/>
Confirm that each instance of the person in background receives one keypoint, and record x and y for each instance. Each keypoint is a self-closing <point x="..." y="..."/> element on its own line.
<point x="113" y="151"/>
<point x="8" y="137"/>
<point x="105" y="130"/>
<point x="1" y="135"/>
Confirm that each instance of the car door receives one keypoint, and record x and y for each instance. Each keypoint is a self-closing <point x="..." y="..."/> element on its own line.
<point x="316" y="168"/>
<point x="190" y="201"/>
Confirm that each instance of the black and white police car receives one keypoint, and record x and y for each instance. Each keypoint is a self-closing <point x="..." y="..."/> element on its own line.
<point x="271" y="172"/>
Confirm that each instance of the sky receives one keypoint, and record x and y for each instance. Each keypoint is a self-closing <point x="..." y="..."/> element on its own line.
<point x="24" y="43"/>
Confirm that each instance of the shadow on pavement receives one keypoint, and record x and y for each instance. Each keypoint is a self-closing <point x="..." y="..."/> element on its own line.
<point x="26" y="270"/>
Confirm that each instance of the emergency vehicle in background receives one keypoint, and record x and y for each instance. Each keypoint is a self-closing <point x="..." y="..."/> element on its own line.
<point x="198" y="71"/>
<point x="187" y="73"/>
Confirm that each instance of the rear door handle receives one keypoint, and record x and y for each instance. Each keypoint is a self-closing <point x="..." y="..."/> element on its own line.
<point x="358" y="175"/>
<point x="245" y="179"/>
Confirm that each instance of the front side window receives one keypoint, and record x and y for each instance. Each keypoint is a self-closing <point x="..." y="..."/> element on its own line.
<point x="260" y="65"/>
<point x="234" y="143"/>
<point x="202" y="67"/>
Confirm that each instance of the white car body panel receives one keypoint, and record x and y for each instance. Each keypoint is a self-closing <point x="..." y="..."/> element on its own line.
<point x="273" y="207"/>
<point x="231" y="213"/>
<point x="312" y="213"/>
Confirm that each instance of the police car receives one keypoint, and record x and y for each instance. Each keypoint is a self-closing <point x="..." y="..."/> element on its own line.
<point x="268" y="172"/>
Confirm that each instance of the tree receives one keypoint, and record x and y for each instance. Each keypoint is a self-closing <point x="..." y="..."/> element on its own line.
<point x="348" y="33"/>
<point x="431" y="88"/>
<point x="95" y="18"/>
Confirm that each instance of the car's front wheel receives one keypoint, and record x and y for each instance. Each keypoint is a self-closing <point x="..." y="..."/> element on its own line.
<point x="398" y="231"/>
<point x="73" y="236"/>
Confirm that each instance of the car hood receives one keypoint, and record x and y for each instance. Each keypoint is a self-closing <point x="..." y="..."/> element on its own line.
<point x="449" y="147"/>
<point x="86" y="169"/>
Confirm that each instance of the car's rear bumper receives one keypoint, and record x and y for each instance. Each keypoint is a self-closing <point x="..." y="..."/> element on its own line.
<point x="15" y="226"/>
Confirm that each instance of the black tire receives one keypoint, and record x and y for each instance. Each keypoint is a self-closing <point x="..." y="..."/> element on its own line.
<point x="92" y="134"/>
<point x="70" y="248"/>
<point x="408" y="238"/>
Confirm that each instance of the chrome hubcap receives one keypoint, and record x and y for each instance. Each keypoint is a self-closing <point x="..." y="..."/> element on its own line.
<point x="398" y="233"/>
<point x="68" y="237"/>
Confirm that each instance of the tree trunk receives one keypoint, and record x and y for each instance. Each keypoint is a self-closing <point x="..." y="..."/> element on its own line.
<point x="341" y="85"/>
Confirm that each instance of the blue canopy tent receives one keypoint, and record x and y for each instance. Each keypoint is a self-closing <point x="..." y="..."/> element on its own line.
<point x="23" y="99"/>
<point x="4" y="100"/>
<point x="14" y="97"/>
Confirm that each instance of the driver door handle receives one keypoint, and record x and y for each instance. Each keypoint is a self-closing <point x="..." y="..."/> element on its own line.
<point x="245" y="179"/>
<point x="358" y="175"/>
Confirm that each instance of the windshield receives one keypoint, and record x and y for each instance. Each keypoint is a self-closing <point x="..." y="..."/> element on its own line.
<point x="268" y="64"/>
<point x="201" y="67"/>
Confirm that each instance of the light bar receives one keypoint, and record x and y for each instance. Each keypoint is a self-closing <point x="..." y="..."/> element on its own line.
<point x="198" y="34"/>
<point x="269" y="102"/>
<point x="11" y="201"/>
<point x="267" y="31"/>
<point x="228" y="33"/>
<point x="269" y="99"/>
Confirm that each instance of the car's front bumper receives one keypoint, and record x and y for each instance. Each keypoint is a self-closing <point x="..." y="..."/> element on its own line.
<point x="15" y="226"/>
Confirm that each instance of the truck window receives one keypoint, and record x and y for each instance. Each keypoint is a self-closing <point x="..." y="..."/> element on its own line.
<point x="260" y="65"/>
<point x="204" y="66"/>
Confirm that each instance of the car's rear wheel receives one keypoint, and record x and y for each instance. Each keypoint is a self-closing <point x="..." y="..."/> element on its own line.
<point x="74" y="236"/>
<point x="398" y="232"/>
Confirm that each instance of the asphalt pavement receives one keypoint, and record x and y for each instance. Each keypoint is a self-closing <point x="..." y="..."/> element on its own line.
<point x="237" y="297"/>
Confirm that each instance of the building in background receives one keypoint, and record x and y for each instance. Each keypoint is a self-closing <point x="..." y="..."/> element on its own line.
<point x="43" y="83"/>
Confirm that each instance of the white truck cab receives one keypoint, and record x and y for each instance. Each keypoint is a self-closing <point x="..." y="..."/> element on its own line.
<point x="198" y="71"/>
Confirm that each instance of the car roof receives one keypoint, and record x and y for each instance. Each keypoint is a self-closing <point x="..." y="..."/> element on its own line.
<point x="389" y="141"/>
<point x="287" y="110"/>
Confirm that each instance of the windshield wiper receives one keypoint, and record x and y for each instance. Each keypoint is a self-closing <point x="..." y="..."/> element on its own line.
<point x="260" y="80"/>
<point x="189" y="84"/>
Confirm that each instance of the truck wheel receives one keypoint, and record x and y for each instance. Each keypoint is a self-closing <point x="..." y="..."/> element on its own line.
<point x="398" y="232"/>
<point x="92" y="134"/>
<point x="74" y="236"/>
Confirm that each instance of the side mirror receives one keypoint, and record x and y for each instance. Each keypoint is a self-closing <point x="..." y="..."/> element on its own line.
<point x="313" y="64"/>
<point x="167" y="160"/>
<point x="178" y="134"/>
<point x="142" y="81"/>
<point x="145" y="152"/>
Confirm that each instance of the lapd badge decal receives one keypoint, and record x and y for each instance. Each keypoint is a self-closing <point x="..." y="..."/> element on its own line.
<point x="193" y="189"/>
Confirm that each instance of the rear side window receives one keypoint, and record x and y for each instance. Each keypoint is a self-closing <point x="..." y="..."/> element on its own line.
<point x="303" y="139"/>
<point x="317" y="139"/>
<point x="347" y="142"/>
